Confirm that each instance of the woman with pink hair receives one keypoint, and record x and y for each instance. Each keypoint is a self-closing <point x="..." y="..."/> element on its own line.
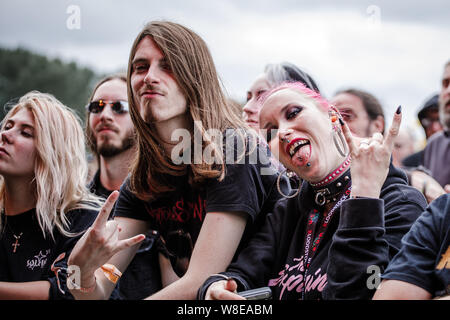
<point x="346" y="219"/>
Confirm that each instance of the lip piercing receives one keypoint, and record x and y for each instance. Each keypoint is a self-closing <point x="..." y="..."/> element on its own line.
<point x="286" y="140"/>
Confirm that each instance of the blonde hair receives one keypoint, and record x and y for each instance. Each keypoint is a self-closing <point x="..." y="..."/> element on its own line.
<point x="193" y="68"/>
<point x="60" y="169"/>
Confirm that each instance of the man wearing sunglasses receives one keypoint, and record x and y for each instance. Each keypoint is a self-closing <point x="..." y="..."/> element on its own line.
<point x="110" y="133"/>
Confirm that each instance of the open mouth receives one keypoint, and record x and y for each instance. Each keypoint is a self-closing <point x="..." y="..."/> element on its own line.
<point x="300" y="151"/>
<point x="295" y="146"/>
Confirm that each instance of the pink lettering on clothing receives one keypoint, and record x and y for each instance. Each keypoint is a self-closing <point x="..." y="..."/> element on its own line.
<point x="292" y="278"/>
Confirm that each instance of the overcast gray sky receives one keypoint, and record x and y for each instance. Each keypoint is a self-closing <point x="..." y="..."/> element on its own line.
<point x="393" y="49"/>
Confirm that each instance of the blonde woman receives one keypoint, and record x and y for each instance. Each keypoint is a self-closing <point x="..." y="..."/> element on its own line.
<point x="44" y="201"/>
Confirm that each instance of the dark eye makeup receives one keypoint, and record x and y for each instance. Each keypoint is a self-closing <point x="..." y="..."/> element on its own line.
<point x="292" y="112"/>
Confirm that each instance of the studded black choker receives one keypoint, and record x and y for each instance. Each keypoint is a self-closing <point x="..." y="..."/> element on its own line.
<point x="330" y="192"/>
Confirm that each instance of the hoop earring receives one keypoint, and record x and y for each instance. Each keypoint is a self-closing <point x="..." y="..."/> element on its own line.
<point x="279" y="189"/>
<point x="338" y="136"/>
<point x="339" y="139"/>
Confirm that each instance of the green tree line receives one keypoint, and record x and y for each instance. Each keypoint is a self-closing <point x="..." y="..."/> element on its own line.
<point x="22" y="71"/>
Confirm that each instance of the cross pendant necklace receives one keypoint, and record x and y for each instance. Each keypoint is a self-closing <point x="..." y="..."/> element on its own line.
<point x="16" y="244"/>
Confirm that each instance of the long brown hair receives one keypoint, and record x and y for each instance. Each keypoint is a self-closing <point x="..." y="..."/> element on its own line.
<point x="192" y="66"/>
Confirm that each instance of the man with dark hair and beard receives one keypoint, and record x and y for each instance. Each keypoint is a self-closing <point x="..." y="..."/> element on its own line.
<point x="111" y="138"/>
<point x="110" y="134"/>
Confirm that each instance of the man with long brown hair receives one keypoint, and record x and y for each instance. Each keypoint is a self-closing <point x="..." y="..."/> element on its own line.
<point x="199" y="207"/>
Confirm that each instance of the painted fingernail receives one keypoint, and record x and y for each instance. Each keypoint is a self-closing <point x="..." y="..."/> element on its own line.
<point x="399" y="110"/>
<point x="341" y="122"/>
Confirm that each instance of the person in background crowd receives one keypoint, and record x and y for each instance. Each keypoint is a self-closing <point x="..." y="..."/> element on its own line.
<point x="110" y="134"/>
<point x="44" y="202"/>
<point x="111" y="138"/>
<point x="351" y="211"/>
<point x="204" y="210"/>
<point x="429" y="117"/>
<point x="429" y="120"/>
<point x="403" y="147"/>
<point x="274" y="74"/>
<point x="437" y="152"/>
<point x="361" y="111"/>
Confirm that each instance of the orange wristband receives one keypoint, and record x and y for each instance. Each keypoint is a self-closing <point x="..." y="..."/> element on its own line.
<point x="111" y="272"/>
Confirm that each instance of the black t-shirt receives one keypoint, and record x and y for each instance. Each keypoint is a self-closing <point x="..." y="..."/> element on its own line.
<point x="96" y="187"/>
<point x="179" y="215"/>
<point x="35" y="254"/>
<point x="424" y="259"/>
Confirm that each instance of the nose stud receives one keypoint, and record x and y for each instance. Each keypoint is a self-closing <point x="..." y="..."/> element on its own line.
<point x="285" y="140"/>
<point x="284" y="135"/>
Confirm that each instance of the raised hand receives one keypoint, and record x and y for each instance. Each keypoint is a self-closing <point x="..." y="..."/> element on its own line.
<point x="371" y="159"/>
<point x="100" y="243"/>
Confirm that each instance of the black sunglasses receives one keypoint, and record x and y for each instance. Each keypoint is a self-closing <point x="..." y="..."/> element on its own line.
<point x="118" y="107"/>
